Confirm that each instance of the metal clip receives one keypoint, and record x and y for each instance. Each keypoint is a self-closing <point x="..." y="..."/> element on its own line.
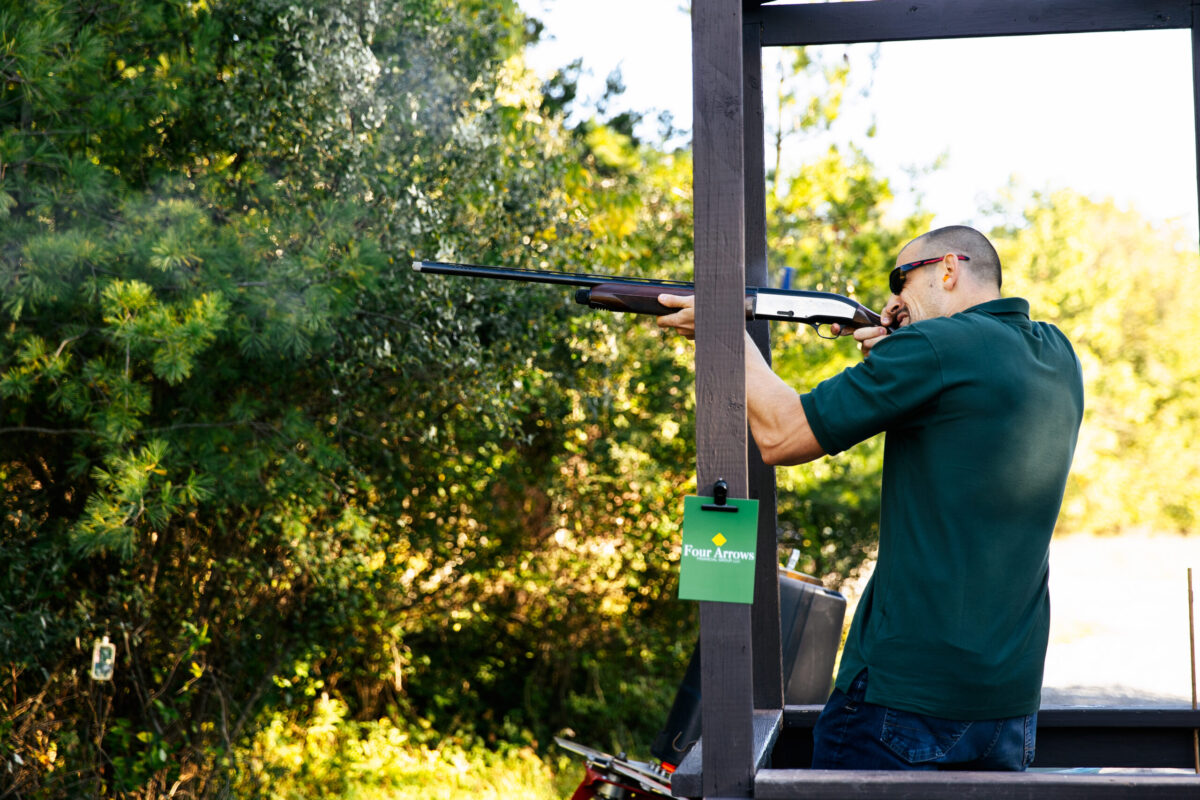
<point x="720" y="498"/>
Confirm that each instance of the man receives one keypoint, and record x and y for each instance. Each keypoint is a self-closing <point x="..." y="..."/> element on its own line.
<point x="943" y="663"/>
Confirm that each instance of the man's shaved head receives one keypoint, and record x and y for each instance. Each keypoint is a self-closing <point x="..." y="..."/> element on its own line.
<point x="961" y="240"/>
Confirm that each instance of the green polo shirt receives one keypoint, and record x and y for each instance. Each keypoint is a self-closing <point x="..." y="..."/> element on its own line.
<point x="982" y="411"/>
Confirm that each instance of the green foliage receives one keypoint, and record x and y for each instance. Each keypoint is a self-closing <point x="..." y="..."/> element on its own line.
<point x="331" y="755"/>
<point x="402" y="528"/>
<point x="243" y="439"/>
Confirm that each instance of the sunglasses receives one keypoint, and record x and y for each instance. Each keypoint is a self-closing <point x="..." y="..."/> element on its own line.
<point x="897" y="276"/>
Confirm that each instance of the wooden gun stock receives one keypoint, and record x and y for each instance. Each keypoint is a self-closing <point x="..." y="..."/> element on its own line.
<point x="639" y="299"/>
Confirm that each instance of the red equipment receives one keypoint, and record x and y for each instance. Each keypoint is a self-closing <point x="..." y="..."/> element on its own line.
<point x="616" y="777"/>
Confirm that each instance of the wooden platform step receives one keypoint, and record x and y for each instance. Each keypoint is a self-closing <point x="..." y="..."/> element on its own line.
<point x="806" y="784"/>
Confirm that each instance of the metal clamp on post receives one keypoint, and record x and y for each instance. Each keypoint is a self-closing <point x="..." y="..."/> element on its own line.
<point x="720" y="498"/>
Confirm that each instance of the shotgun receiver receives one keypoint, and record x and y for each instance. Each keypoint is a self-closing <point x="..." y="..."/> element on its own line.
<point x="640" y="295"/>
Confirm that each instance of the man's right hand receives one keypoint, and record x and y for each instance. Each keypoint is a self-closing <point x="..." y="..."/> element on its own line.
<point x="893" y="311"/>
<point x="869" y="337"/>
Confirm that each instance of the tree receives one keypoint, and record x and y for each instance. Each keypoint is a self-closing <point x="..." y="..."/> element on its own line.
<point x="190" y="298"/>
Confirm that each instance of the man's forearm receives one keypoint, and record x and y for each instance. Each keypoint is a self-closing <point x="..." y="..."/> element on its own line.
<point x="777" y="419"/>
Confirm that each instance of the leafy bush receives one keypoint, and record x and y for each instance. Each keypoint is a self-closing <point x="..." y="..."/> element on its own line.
<point x="329" y="755"/>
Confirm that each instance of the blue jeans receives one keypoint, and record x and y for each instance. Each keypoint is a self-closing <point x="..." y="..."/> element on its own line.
<point x="854" y="734"/>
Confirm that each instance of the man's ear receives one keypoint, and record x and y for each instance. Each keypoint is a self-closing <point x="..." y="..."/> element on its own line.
<point x="950" y="270"/>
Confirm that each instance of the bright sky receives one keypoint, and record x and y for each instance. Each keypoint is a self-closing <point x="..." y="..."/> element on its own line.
<point x="1109" y="115"/>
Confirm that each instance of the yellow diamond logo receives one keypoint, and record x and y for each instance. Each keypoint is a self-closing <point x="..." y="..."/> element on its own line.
<point x="719" y="540"/>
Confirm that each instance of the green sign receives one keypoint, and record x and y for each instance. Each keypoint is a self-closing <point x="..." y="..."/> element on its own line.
<point x="717" y="562"/>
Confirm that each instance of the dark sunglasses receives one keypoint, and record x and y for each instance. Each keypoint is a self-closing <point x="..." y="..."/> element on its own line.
<point x="896" y="277"/>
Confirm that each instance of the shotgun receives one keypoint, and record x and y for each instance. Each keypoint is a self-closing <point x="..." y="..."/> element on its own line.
<point x="640" y="295"/>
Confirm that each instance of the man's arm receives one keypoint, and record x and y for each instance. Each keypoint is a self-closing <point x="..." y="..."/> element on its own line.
<point x="777" y="419"/>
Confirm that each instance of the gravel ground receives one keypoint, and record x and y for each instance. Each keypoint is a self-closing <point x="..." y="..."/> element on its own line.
<point x="1119" y="620"/>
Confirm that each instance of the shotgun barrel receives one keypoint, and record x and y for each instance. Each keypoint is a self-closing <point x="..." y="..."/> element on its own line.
<point x="539" y="275"/>
<point x="640" y="295"/>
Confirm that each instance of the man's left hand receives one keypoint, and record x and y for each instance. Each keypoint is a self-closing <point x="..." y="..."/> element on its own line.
<point x="684" y="320"/>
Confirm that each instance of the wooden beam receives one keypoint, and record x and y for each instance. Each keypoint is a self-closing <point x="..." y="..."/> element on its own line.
<point x="780" y="784"/>
<point x="726" y="658"/>
<point x="1196" y="84"/>
<point x="1135" y="738"/>
<point x="1067" y="737"/>
<point x="907" y="20"/>
<point x="767" y="726"/>
<point x="764" y="622"/>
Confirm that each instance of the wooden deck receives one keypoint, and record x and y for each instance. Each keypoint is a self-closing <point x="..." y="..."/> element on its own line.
<point x="784" y="784"/>
<point x="1068" y="738"/>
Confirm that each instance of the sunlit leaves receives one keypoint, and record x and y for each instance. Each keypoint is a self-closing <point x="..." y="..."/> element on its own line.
<point x="133" y="493"/>
<point x="171" y="338"/>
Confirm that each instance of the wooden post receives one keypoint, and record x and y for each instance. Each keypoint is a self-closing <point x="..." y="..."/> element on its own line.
<point x="1196" y="84"/>
<point x="718" y="186"/>
<point x="768" y="649"/>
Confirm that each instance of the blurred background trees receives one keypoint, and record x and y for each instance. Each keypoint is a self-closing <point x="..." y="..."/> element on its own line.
<point x="343" y="521"/>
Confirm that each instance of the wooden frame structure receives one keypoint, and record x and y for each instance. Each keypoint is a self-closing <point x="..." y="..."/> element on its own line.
<point x="746" y="727"/>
